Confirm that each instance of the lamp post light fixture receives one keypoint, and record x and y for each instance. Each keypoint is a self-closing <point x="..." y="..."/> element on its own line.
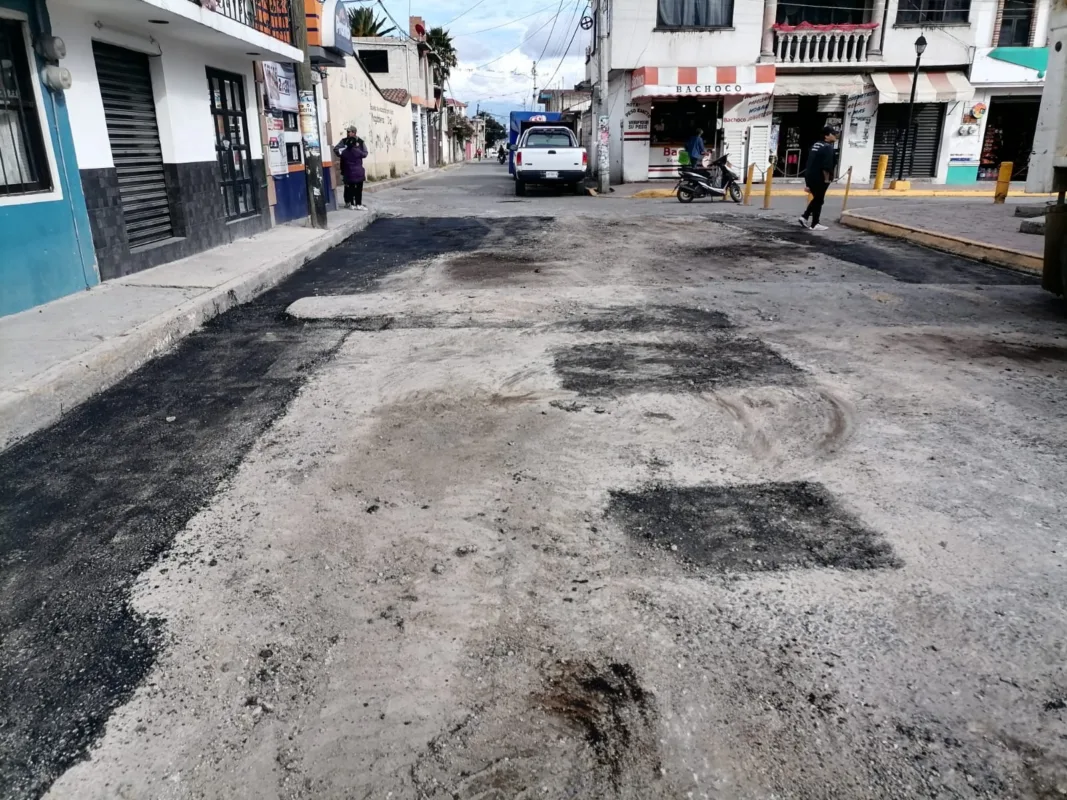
<point x="920" y="48"/>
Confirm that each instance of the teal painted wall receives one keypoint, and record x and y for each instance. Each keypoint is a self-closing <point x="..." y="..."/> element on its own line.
<point x="46" y="248"/>
<point x="958" y="175"/>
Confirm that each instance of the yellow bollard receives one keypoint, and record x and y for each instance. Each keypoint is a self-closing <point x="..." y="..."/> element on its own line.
<point x="768" y="178"/>
<point x="879" y="176"/>
<point x="1003" y="182"/>
<point x="748" y="182"/>
<point x="848" y="188"/>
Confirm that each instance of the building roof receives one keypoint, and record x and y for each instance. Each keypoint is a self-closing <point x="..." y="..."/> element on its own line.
<point x="398" y="96"/>
<point x="454" y="103"/>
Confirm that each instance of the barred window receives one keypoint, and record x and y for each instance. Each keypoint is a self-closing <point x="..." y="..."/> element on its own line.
<point x="23" y="161"/>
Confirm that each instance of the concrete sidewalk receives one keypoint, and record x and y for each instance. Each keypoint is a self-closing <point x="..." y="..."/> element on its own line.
<point x="60" y="354"/>
<point x="982" y="231"/>
<point x="792" y="188"/>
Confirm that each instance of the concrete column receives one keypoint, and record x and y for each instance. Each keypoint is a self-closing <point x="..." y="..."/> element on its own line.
<point x="770" y="12"/>
<point x="877" y="15"/>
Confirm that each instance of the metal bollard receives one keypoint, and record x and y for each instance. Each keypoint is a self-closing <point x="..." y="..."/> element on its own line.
<point x="879" y="176"/>
<point x="1003" y="182"/>
<point x="768" y="178"/>
<point x="748" y="183"/>
<point x="848" y="188"/>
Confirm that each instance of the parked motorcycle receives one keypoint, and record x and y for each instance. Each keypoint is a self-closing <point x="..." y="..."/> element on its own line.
<point x="717" y="180"/>
<point x="501" y="156"/>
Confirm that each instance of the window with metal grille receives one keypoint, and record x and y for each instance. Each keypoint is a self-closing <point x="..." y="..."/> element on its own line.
<point x="23" y="159"/>
<point x="231" y="144"/>
<point x="1015" y="24"/>
<point x="933" y="12"/>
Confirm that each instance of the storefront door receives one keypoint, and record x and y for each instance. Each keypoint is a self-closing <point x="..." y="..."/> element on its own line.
<point x="921" y="159"/>
<point x="673" y="123"/>
<point x="1009" y="136"/>
<point x="800" y="121"/>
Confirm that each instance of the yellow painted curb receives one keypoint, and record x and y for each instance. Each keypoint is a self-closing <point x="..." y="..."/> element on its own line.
<point x="648" y="194"/>
<point x="1021" y="260"/>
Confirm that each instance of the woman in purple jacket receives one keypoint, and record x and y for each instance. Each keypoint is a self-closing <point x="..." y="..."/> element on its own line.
<point x="352" y="150"/>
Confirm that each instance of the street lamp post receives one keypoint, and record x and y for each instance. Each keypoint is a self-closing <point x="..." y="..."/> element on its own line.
<point x="920" y="48"/>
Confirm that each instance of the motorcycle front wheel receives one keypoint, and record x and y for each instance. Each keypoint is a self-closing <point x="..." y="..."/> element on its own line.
<point x="735" y="192"/>
<point x="685" y="195"/>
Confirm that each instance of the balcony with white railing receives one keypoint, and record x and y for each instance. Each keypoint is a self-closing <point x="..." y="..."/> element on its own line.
<point x="815" y="45"/>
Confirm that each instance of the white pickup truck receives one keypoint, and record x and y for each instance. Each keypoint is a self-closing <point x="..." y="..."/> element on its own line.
<point x="549" y="154"/>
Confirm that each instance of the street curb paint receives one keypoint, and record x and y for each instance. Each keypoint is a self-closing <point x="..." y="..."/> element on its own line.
<point x="1021" y="260"/>
<point x="48" y="395"/>
<point x="649" y="194"/>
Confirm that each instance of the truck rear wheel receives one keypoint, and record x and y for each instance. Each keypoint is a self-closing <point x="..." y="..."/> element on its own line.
<point x="520" y="187"/>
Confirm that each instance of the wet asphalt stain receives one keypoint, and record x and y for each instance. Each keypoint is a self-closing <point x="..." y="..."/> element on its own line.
<point x="768" y="249"/>
<point x="907" y="263"/>
<point x="613" y="368"/>
<point x="751" y="528"/>
<point x="89" y="503"/>
<point x="493" y="266"/>
<point x="958" y="347"/>
<point x="639" y="319"/>
<point x="612" y="712"/>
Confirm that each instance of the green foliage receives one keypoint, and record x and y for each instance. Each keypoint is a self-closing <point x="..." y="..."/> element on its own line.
<point x="462" y="129"/>
<point x="494" y="131"/>
<point x="442" y="54"/>
<point x="365" y="24"/>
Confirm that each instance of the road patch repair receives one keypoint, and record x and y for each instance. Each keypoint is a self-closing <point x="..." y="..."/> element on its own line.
<point x="429" y="522"/>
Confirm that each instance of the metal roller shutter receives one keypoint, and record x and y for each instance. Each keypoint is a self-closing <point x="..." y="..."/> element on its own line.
<point x="130" y="111"/>
<point x="924" y="140"/>
<point x="786" y="104"/>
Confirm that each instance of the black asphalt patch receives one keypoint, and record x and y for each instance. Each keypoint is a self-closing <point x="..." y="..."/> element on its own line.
<point x="89" y="503"/>
<point x="638" y="319"/>
<point x="907" y="263"/>
<point x="751" y="528"/>
<point x="614" y="368"/>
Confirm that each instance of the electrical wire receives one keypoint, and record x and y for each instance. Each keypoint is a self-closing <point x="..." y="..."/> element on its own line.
<point x="566" y="49"/>
<point x="505" y="24"/>
<point x="516" y="47"/>
<point x="548" y="41"/>
<point x="465" y="13"/>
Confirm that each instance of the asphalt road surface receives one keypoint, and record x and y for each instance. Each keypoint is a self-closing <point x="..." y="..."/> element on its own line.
<point x="558" y="497"/>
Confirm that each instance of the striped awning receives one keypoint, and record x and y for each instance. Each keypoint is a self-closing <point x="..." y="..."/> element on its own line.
<point x="932" y="87"/>
<point x="702" y="81"/>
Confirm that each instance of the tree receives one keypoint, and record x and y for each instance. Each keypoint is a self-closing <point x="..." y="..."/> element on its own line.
<point x="366" y="25"/>
<point x="442" y="54"/>
<point x="462" y="130"/>
<point x="494" y="131"/>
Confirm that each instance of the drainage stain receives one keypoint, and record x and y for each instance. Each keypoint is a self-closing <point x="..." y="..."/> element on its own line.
<point x="752" y="528"/>
<point x="488" y="266"/>
<point x="652" y="318"/>
<point x="608" y="368"/>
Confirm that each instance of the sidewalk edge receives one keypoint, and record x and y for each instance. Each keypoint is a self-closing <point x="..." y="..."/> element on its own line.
<point x="1020" y="260"/>
<point x="48" y="395"/>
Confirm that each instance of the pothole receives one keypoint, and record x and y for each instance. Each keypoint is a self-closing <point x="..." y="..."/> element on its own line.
<point x="612" y="368"/>
<point x="752" y="528"/>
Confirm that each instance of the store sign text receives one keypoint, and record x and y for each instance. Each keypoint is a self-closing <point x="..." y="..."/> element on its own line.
<point x="710" y="88"/>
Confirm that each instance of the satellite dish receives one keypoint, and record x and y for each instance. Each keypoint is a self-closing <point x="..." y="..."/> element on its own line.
<point x="420" y="30"/>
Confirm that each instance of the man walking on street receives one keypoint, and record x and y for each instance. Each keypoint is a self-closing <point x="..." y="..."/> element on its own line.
<point x="818" y="176"/>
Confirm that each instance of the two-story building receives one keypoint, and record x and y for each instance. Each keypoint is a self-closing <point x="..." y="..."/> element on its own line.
<point x="761" y="79"/>
<point x="402" y="63"/>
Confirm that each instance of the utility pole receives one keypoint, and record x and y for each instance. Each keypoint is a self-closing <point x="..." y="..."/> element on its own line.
<point x="534" y="71"/>
<point x="309" y="120"/>
<point x="603" y="133"/>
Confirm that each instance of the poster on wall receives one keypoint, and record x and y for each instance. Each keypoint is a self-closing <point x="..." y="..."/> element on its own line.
<point x="860" y="109"/>
<point x="743" y="112"/>
<point x="279" y="163"/>
<point x="280" y="80"/>
<point x="309" y="124"/>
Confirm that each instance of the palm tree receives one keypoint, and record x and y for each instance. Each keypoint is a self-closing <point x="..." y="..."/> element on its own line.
<point x="443" y="54"/>
<point x="366" y="25"/>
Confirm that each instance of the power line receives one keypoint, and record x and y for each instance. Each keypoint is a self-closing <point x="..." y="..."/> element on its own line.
<point x="465" y="13"/>
<point x="505" y="24"/>
<point x="548" y="41"/>
<point x="565" y="51"/>
<point x="516" y="47"/>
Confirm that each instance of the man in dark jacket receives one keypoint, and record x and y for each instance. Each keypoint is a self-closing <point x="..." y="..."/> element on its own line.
<point x="818" y="175"/>
<point x="351" y="151"/>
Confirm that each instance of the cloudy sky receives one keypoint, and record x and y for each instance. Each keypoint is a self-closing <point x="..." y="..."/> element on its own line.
<point x="498" y="42"/>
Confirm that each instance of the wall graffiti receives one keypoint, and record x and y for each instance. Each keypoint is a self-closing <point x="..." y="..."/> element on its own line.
<point x="384" y="126"/>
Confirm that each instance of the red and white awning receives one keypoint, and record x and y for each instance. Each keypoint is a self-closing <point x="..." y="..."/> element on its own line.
<point x="702" y="81"/>
<point x="931" y="87"/>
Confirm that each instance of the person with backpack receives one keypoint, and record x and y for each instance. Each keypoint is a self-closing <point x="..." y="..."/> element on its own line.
<point x="351" y="151"/>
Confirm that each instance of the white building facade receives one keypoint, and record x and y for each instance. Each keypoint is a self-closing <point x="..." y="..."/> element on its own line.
<point x="762" y="78"/>
<point x="166" y="126"/>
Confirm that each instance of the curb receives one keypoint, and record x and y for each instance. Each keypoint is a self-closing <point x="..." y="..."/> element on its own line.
<point x="393" y="183"/>
<point x="652" y="194"/>
<point x="1020" y="260"/>
<point x="48" y="395"/>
